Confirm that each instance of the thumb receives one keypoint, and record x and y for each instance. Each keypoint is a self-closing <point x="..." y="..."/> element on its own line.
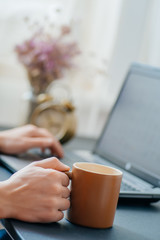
<point x="52" y="163"/>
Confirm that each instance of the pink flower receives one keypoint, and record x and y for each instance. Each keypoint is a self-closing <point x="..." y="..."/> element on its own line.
<point x="47" y="57"/>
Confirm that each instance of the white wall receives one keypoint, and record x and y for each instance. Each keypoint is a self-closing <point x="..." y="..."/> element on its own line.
<point x="94" y="34"/>
<point x="111" y="34"/>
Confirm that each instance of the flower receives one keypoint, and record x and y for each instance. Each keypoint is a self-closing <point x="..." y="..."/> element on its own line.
<point x="46" y="57"/>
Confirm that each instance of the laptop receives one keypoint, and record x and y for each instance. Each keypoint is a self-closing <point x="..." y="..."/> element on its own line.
<point x="130" y="140"/>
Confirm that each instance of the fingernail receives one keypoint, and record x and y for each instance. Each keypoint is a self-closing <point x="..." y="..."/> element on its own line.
<point x="66" y="166"/>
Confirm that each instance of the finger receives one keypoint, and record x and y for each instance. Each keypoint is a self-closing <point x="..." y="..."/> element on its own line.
<point x="53" y="216"/>
<point x="64" y="204"/>
<point x="32" y="131"/>
<point x="55" y="147"/>
<point x="43" y="143"/>
<point x="64" y="179"/>
<point x="65" y="192"/>
<point x="42" y="132"/>
<point x="46" y="142"/>
<point x="28" y="130"/>
<point x="52" y="163"/>
<point x="59" y="216"/>
<point x="37" y="142"/>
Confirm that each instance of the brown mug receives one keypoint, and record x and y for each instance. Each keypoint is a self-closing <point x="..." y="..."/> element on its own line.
<point x="94" y="194"/>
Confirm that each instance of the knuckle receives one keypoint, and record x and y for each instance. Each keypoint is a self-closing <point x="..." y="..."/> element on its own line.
<point x="56" y="161"/>
<point x="66" y="180"/>
<point x="51" y="216"/>
<point x="60" y="216"/>
<point x="56" y="189"/>
<point x="35" y="164"/>
<point x="31" y="128"/>
<point x="67" y="204"/>
<point x="54" y="174"/>
<point x="46" y="217"/>
<point x="67" y="192"/>
<point x="45" y="131"/>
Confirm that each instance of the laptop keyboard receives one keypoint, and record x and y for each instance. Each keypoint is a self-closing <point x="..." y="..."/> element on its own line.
<point x="129" y="183"/>
<point x="127" y="187"/>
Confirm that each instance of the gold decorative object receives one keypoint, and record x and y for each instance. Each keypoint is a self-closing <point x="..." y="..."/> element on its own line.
<point x="59" y="119"/>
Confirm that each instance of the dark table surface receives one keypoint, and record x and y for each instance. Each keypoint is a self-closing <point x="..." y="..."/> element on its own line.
<point x="132" y="222"/>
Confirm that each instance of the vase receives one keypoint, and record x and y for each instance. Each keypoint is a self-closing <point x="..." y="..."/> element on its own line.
<point x="39" y="82"/>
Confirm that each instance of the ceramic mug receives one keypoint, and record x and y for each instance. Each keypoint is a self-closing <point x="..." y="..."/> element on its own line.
<point x="94" y="194"/>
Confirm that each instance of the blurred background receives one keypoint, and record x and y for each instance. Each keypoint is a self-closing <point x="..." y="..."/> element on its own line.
<point x="110" y="35"/>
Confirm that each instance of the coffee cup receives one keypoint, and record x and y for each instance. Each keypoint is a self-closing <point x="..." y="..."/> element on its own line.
<point x="94" y="194"/>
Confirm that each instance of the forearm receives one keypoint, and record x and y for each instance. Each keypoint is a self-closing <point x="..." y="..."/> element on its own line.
<point x="4" y="142"/>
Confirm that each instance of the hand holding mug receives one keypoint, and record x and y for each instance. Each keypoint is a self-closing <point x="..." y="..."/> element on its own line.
<point x="94" y="195"/>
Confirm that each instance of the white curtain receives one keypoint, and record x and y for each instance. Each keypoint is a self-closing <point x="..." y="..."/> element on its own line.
<point x="111" y="35"/>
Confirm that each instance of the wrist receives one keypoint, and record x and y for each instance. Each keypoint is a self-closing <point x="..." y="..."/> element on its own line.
<point x="4" y="198"/>
<point x="1" y="142"/>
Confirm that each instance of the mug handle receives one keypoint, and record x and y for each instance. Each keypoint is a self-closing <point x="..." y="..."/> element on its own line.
<point x="69" y="174"/>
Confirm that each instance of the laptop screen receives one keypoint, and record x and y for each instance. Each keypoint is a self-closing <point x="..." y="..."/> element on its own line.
<point x="131" y="137"/>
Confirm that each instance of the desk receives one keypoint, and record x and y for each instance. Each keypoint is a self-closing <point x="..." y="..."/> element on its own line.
<point x="138" y="222"/>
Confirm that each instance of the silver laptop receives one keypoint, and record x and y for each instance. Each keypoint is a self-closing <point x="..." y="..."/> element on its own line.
<point x="130" y="139"/>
